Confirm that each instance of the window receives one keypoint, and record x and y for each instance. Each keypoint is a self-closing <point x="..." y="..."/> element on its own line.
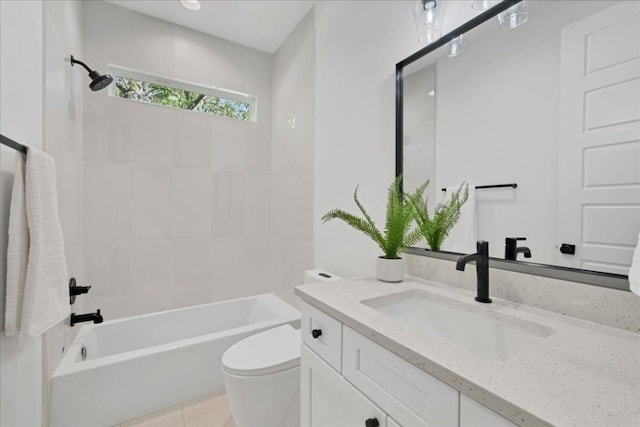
<point x="144" y="87"/>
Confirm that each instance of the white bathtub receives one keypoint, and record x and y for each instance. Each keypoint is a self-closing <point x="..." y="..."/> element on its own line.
<point x="146" y="363"/>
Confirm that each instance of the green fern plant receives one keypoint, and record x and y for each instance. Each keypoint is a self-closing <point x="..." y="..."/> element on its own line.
<point x="399" y="218"/>
<point x="436" y="228"/>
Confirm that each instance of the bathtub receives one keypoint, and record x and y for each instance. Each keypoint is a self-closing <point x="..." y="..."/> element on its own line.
<point x="142" y="364"/>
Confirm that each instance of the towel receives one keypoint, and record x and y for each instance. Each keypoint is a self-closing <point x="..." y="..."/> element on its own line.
<point x="17" y="251"/>
<point x="464" y="234"/>
<point x="634" y="271"/>
<point x="46" y="293"/>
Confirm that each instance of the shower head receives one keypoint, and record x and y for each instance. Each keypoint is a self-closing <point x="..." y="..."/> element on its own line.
<point x="98" y="81"/>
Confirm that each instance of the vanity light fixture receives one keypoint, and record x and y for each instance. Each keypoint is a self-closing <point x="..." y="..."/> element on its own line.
<point x="191" y="4"/>
<point x="428" y="16"/>
<point x="457" y="46"/>
<point x="514" y="17"/>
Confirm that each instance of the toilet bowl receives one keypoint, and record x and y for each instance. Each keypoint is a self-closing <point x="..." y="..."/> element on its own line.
<point x="262" y="377"/>
<point x="262" y="373"/>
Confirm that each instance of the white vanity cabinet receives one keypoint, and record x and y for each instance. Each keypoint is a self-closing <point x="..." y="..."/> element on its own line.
<point x="348" y="380"/>
<point x="328" y="400"/>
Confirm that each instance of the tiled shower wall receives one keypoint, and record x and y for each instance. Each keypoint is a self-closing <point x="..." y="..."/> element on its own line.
<point x="292" y="157"/>
<point x="176" y="203"/>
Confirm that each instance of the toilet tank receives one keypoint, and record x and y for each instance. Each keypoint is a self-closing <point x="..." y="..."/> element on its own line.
<point x="317" y="276"/>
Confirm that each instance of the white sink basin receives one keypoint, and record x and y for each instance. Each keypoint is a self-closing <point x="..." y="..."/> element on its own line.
<point x="471" y="327"/>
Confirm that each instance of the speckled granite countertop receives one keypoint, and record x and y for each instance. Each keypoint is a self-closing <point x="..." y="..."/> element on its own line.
<point x="582" y="375"/>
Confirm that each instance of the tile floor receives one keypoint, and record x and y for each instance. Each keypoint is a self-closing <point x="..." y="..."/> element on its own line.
<point x="207" y="411"/>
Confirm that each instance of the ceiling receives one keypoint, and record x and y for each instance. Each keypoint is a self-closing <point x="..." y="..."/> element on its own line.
<point x="260" y="24"/>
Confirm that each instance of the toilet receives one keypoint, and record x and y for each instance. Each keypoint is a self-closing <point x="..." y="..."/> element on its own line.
<point x="262" y="374"/>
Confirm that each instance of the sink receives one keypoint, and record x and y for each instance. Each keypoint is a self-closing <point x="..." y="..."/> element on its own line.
<point x="478" y="330"/>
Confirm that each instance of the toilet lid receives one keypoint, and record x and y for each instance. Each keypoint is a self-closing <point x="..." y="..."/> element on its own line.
<point x="267" y="352"/>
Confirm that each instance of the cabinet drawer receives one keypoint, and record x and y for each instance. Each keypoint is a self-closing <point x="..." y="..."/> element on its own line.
<point x="388" y="380"/>
<point x="323" y="334"/>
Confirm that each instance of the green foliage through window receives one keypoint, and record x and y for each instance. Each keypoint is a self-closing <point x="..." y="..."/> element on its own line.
<point x="179" y="98"/>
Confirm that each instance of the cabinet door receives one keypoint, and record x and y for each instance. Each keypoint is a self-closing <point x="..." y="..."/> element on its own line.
<point x="391" y="423"/>
<point x="405" y="392"/>
<point x="328" y="400"/>
<point x="473" y="414"/>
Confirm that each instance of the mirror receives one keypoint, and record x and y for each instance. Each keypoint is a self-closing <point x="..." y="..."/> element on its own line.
<point x="552" y="106"/>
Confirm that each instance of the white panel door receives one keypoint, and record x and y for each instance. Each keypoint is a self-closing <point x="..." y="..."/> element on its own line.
<point x="328" y="400"/>
<point x="599" y="179"/>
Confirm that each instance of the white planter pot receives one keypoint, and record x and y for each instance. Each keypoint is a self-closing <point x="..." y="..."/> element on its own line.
<point x="390" y="270"/>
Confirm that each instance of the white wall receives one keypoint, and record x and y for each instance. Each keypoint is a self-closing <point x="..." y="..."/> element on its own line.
<point x="41" y="107"/>
<point x="176" y="203"/>
<point x="21" y="118"/>
<point x="357" y="47"/>
<point x="292" y="156"/>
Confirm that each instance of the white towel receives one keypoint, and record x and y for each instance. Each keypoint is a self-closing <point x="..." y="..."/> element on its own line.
<point x="464" y="234"/>
<point x="46" y="293"/>
<point x="634" y="271"/>
<point x="17" y="251"/>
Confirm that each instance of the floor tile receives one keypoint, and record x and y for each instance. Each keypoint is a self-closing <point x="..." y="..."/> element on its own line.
<point x="170" y="417"/>
<point x="208" y="411"/>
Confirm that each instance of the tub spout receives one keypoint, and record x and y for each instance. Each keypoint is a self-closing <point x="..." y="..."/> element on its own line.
<point x="90" y="317"/>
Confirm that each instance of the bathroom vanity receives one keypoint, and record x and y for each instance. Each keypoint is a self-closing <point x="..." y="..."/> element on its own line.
<point x="425" y="354"/>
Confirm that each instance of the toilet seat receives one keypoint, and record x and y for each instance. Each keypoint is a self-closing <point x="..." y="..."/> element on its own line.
<point x="267" y="352"/>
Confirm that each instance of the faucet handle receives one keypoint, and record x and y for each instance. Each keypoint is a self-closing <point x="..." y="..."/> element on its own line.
<point x="513" y="241"/>
<point x="483" y="247"/>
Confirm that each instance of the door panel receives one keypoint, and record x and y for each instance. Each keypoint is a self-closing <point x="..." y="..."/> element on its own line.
<point x="599" y="179"/>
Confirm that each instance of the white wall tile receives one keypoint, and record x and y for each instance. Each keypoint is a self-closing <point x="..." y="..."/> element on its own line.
<point x="193" y="259"/>
<point x="228" y="267"/>
<point x="194" y="140"/>
<point x="193" y="226"/>
<point x="106" y="263"/>
<point x="151" y="275"/>
<point x="151" y="206"/>
<point x="258" y="145"/>
<point x="228" y="203"/>
<point x="228" y="144"/>
<point x="152" y="134"/>
<point x="106" y="129"/>
<point x="107" y="200"/>
<point x="257" y="253"/>
<point x="192" y="204"/>
<point x="209" y="60"/>
<point x="257" y="204"/>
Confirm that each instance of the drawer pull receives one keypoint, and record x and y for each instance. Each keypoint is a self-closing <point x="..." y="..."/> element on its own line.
<point x="316" y="333"/>
<point x="372" y="422"/>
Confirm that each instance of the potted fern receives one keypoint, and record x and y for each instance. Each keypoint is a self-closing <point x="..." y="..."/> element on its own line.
<point x="436" y="228"/>
<point x="394" y="237"/>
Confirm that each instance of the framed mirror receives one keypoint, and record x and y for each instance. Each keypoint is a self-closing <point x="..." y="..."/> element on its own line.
<point x="536" y="105"/>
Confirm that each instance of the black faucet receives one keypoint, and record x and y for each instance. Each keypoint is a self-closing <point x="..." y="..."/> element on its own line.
<point x="511" y="249"/>
<point x="482" y="269"/>
<point x="91" y="317"/>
